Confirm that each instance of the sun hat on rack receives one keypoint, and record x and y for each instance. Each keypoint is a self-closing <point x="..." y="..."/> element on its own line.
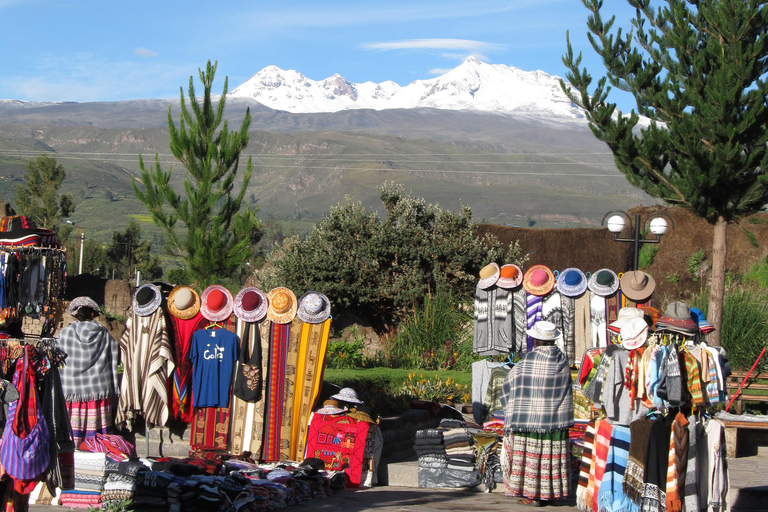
<point x="251" y="304"/>
<point x="677" y="318"/>
<point x="634" y="333"/>
<point x="183" y="302"/>
<point x="489" y="274"/>
<point x="216" y="303"/>
<point x="314" y="308"/>
<point x="510" y="276"/>
<point x="625" y="314"/>
<point x="572" y="282"/>
<point x="83" y="302"/>
<point x="331" y="407"/>
<point x="347" y="395"/>
<point x="282" y="305"/>
<point x="604" y="282"/>
<point x="538" y="280"/>
<point x="543" y="330"/>
<point x="637" y="285"/>
<point x="698" y="316"/>
<point x="147" y="299"/>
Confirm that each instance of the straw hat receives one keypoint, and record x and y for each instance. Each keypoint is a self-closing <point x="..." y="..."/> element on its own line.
<point x="282" y="305"/>
<point x="543" y="330"/>
<point x="83" y="302"/>
<point x="538" y="280"/>
<point x="572" y="282"/>
<point x="363" y="413"/>
<point x="634" y="333"/>
<point x="216" y="303"/>
<point x="510" y="276"/>
<point x="604" y="282"/>
<point x="314" y="308"/>
<point x="489" y="274"/>
<point x="147" y="299"/>
<point x="637" y="285"/>
<point x="183" y="302"/>
<point x="251" y="304"/>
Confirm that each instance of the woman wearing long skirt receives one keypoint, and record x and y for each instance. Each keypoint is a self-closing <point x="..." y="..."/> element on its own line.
<point x="538" y="411"/>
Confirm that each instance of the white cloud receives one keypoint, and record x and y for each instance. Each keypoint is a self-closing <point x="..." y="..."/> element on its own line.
<point x="143" y="52"/>
<point x="434" y="44"/>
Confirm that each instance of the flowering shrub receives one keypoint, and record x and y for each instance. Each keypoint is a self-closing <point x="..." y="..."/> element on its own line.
<point x="345" y="354"/>
<point x="437" y="390"/>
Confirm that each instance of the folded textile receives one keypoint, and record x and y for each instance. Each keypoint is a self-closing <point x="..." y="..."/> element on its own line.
<point x="429" y="432"/>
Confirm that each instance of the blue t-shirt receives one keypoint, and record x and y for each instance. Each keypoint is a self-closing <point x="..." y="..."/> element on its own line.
<point x="213" y="353"/>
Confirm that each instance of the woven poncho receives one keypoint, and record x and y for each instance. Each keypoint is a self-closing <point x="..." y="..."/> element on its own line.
<point x="538" y="392"/>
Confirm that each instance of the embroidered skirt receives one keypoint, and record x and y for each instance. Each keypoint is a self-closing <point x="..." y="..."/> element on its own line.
<point x="536" y="465"/>
<point x="91" y="417"/>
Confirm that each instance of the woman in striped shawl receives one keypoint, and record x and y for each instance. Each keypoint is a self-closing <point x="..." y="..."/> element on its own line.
<point x="538" y="410"/>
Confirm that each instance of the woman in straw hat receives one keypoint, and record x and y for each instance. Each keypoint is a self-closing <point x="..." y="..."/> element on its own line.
<point x="538" y="410"/>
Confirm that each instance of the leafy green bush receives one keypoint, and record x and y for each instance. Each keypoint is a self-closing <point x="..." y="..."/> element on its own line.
<point x="647" y="255"/>
<point x="696" y="265"/>
<point x="437" y="335"/>
<point x="344" y="354"/>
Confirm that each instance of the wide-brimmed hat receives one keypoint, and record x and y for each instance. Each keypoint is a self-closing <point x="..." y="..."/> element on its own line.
<point x="347" y="395"/>
<point x="677" y="317"/>
<point x="510" y="276"/>
<point x="183" y="302"/>
<point x="625" y="314"/>
<point x="216" y="303"/>
<point x="538" y="280"/>
<point x="83" y="302"/>
<point x="282" y="305"/>
<point x="698" y="316"/>
<point x="571" y="282"/>
<point x="363" y="413"/>
<point x="604" y="282"/>
<point x="489" y="274"/>
<point x="543" y="330"/>
<point x="147" y="299"/>
<point x="331" y="407"/>
<point x="637" y="285"/>
<point x="314" y="308"/>
<point x="634" y="333"/>
<point x="251" y="304"/>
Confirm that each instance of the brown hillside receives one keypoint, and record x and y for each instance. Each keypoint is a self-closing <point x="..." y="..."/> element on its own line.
<point x="593" y="248"/>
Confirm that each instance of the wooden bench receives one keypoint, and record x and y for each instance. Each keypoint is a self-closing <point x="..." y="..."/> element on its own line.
<point x="755" y="390"/>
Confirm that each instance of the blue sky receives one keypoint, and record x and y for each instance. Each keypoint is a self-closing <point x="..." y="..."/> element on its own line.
<point x="70" y="50"/>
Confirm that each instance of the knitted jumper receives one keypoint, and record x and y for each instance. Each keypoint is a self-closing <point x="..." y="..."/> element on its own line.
<point x="678" y="459"/>
<point x="693" y="380"/>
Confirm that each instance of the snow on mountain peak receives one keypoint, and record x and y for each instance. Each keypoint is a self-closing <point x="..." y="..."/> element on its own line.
<point x="473" y="85"/>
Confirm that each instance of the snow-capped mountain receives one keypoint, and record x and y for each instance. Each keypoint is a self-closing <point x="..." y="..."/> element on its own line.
<point x="473" y="85"/>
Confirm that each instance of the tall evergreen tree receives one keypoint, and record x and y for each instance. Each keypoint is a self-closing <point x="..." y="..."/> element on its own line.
<point x="39" y="197"/>
<point x="697" y="69"/>
<point x="219" y="225"/>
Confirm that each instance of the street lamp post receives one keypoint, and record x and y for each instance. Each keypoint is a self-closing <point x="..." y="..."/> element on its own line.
<point x="82" y="243"/>
<point x="617" y="220"/>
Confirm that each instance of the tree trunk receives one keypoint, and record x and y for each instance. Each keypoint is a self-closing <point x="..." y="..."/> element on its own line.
<point x="717" y="287"/>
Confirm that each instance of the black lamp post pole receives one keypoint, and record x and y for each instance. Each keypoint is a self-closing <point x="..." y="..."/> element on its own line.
<point x="636" y="263"/>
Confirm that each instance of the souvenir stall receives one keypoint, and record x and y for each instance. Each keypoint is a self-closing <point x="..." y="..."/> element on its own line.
<point x="33" y="278"/>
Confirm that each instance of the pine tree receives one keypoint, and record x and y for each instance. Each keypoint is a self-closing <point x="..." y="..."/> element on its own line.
<point x="697" y="69"/>
<point x="219" y="226"/>
<point x="39" y="197"/>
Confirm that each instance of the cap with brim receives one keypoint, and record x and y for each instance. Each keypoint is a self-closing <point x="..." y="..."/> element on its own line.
<point x="216" y="303"/>
<point x="604" y="282"/>
<point x="625" y="314"/>
<point x="636" y="285"/>
<point x="543" y="330"/>
<point x="183" y="302"/>
<point x="698" y="316"/>
<point x="489" y="274"/>
<point x="510" y="276"/>
<point x="347" y="395"/>
<point x="314" y="308"/>
<point x="331" y="407"/>
<point x="147" y="299"/>
<point x="538" y="280"/>
<point x="83" y="302"/>
<point x="282" y="305"/>
<point x="634" y="333"/>
<point x="572" y="282"/>
<point x="251" y="304"/>
<point x="677" y="317"/>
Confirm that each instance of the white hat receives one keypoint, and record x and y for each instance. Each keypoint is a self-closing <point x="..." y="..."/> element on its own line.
<point x="625" y="314"/>
<point x="543" y="330"/>
<point x="634" y="333"/>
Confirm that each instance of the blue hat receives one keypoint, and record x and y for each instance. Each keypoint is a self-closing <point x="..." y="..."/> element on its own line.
<point x="571" y="282"/>
<point x="698" y="316"/>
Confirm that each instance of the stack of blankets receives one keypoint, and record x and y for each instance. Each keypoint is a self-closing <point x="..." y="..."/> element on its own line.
<point x="90" y="477"/>
<point x="121" y="480"/>
<point x="446" y="455"/>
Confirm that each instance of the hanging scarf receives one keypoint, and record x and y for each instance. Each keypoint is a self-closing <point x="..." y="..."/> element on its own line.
<point x="678" y="458"/>
<point x="611" y="497"/>
<point x="638" y="447"/>
<point x="182" y="374"/>
<point x="519" y="317"/>
<point x="602" y="446"/>
<point x="585" y="465"/>
<point x="690" y="489"/>
<point x="568" y="305"/>
<point x="589" y="494"/>
<point x="533" y="314"/>
<point x="539" y="393"/>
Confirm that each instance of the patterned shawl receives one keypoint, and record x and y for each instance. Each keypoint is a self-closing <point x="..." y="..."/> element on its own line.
<point x="182" y="375"/>
<point x="678" y="459"/>
<point x="90" y="371"/>
<point x="611" y="497"/>
<point x="690" y="490"/>
<point x="586" y="463"/>
<point x="638" y="447"/>
<point x="568" y="305"/>
<point x="520" y="321"/>
<point x="602" y="445"/>
<point x="539" y="393"/>
<point x="533" y="304"/>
